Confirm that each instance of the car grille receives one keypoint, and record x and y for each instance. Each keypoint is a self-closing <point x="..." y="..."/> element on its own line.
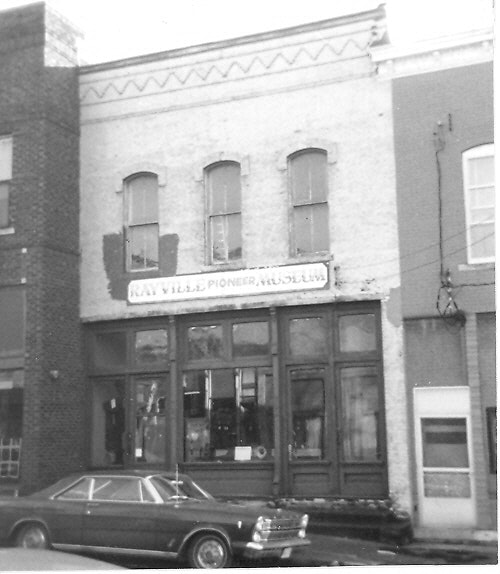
<point x="282" y="528"/>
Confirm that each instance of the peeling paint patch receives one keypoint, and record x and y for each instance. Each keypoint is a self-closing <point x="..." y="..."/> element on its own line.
<point x="112" y="249"/>
<point x="394" y="307"/>
<point x="168" y="254"/>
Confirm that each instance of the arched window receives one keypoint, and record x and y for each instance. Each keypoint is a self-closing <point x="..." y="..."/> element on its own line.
<point x="309" y="191"/>
<point x="142" y="222"/>
<point x="223" y="182"/>
<point x="479" y="191"/>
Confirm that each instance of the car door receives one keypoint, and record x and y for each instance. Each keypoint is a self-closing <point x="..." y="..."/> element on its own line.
<point x="121" y="513"/>
<point x="64" y="512"/>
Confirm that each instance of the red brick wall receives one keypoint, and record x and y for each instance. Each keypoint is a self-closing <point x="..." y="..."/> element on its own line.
<point x="39" y="107"/>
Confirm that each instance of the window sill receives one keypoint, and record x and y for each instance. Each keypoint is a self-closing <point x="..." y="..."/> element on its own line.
<point x="7" y="231"/>
<point x="476" y="266"/>
<point x="322" y="257"/>
<point x="232" y="266"/>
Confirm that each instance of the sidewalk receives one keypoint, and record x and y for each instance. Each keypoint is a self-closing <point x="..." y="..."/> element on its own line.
<point x="327" y="550"/>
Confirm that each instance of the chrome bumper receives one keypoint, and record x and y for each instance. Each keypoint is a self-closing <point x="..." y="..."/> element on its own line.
<point x="273" y="548"/>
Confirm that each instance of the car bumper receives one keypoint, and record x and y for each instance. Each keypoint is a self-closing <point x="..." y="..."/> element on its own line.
<point x="273" y="549"/>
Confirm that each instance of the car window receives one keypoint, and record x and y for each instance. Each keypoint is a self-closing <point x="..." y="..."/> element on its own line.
<point x="123" y="489"/>
<point x="79" y="491"/>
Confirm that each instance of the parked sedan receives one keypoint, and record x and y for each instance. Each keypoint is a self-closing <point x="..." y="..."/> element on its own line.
<point x="149" y="513"/>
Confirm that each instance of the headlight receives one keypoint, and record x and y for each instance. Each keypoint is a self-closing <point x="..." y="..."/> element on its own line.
<point x="304" y="521"/>
<point x="261" y="529"/>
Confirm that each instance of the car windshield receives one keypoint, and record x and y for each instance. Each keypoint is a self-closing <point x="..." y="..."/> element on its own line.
<point x="181" y="488"/>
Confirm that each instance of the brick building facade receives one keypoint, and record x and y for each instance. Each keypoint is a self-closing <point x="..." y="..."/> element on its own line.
<point x="41" y="372"/>
<point x="443" y="129"/>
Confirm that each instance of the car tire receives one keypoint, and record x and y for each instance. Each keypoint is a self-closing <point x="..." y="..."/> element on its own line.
<point x="33" y="536"/>
<point x="208" y="551"/>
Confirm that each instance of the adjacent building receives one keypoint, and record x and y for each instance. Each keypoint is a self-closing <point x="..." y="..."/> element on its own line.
<point x="42" y="423"/>
<point x="443" y="139"/>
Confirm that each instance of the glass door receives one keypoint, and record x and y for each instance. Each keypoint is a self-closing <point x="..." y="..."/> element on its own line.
<point x="149" y="437"/>
<point x="311" y="451"/>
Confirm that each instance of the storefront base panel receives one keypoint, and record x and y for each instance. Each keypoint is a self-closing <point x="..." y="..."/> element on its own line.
<point x="250" y="481"/>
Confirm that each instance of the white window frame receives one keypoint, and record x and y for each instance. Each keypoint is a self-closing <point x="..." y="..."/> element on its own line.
<point x="484" y="150"/>
<point x="6" y="174"/>
<point x="130" y="225"/>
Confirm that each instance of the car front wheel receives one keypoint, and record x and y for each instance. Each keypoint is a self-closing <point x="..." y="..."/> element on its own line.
<point x="208" y="551"/>
<point x="32" y="536"/>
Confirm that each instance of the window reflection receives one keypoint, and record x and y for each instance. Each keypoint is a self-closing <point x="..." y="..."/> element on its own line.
<point x="108" y="423"/>
<point x="150" y="432"/>
<point x="308" y="337"/>
<point x="228" y="414"/>
<point x="151" y="346"/>
<point x="360" y="410"/>
<point x="205" y="342"/>
<point x="308" y="412"/>
<point x="250" y="339"/>
<point x="357" y="333"/>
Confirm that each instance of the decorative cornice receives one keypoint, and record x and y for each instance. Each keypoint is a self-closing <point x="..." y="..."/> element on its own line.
<point x="183" y="69"/>
<point x="435" y="54"/>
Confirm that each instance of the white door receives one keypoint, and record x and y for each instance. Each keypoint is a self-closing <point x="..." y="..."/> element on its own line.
<point x="444" y="461"/>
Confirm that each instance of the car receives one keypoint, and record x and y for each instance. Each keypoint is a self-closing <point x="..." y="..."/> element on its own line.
<point x="32" y="559"/>
<point x="150" y="513"/>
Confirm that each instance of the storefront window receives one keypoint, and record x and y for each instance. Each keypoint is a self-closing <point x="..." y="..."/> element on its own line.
<point x="360" y="410"/>
<point x="250" y="339"/>
<point x="110" y="350"/>
<point x="11" y="420"/>
<point x="228" y="414"/>
<point x="308" y="413"/>
<point x="108" y="423"/>
<point x="308" y="337"/>
<point x="151" y="347"/>
<point x="205" y="342"/>
<point x="357" y="333"/>
<point x="150" y="431"/>
<point x="445" y="443"/>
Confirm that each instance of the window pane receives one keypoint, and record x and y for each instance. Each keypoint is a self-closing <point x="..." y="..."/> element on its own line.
<point x="360" y="414"/>
<point x="250" y="339"/>
<point x="308" y="337"/>
<point x="357" y="333"/>
<point x="11" y="422"/>
<point x="143" y="199"/>
<point x="205" y="342"/>
<point x="108" y="423"/>
<point x="224" y="188"/>
<point x="228" y="415"/>
<point x="12" y="321"/>
<point x="150" y="432"/>
<point x="482" y="241"/>
<point x="5" y="158"/>
<point x="151" y="346"/>
<point x="4" y="205"/>
<point x="481" y="171"/>
<point x="226" y="237"/>
<point x="309" y="177"/>
<point x="80" y="491"/>
<point x="110" y="350"/>
<point x="311" y="228"/>
<point x="447" y="484"/>
<point x="117" y="489"/>
<point x="444" y="442"/>
<point x="483" y="197"/>
<point x="143" y="247"/>
<point x="308" y="413"/>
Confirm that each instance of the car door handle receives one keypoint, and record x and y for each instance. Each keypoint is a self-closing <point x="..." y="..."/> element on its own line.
<point x="93" y="504"/>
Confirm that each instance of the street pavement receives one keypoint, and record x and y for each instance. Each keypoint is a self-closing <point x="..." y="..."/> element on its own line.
<point x="327" y="550"/>
<point x="331" y="551"/>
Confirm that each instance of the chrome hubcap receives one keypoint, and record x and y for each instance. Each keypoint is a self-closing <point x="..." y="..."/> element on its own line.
<point x="211" y="554"/>
<point x="34" y="538"/>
